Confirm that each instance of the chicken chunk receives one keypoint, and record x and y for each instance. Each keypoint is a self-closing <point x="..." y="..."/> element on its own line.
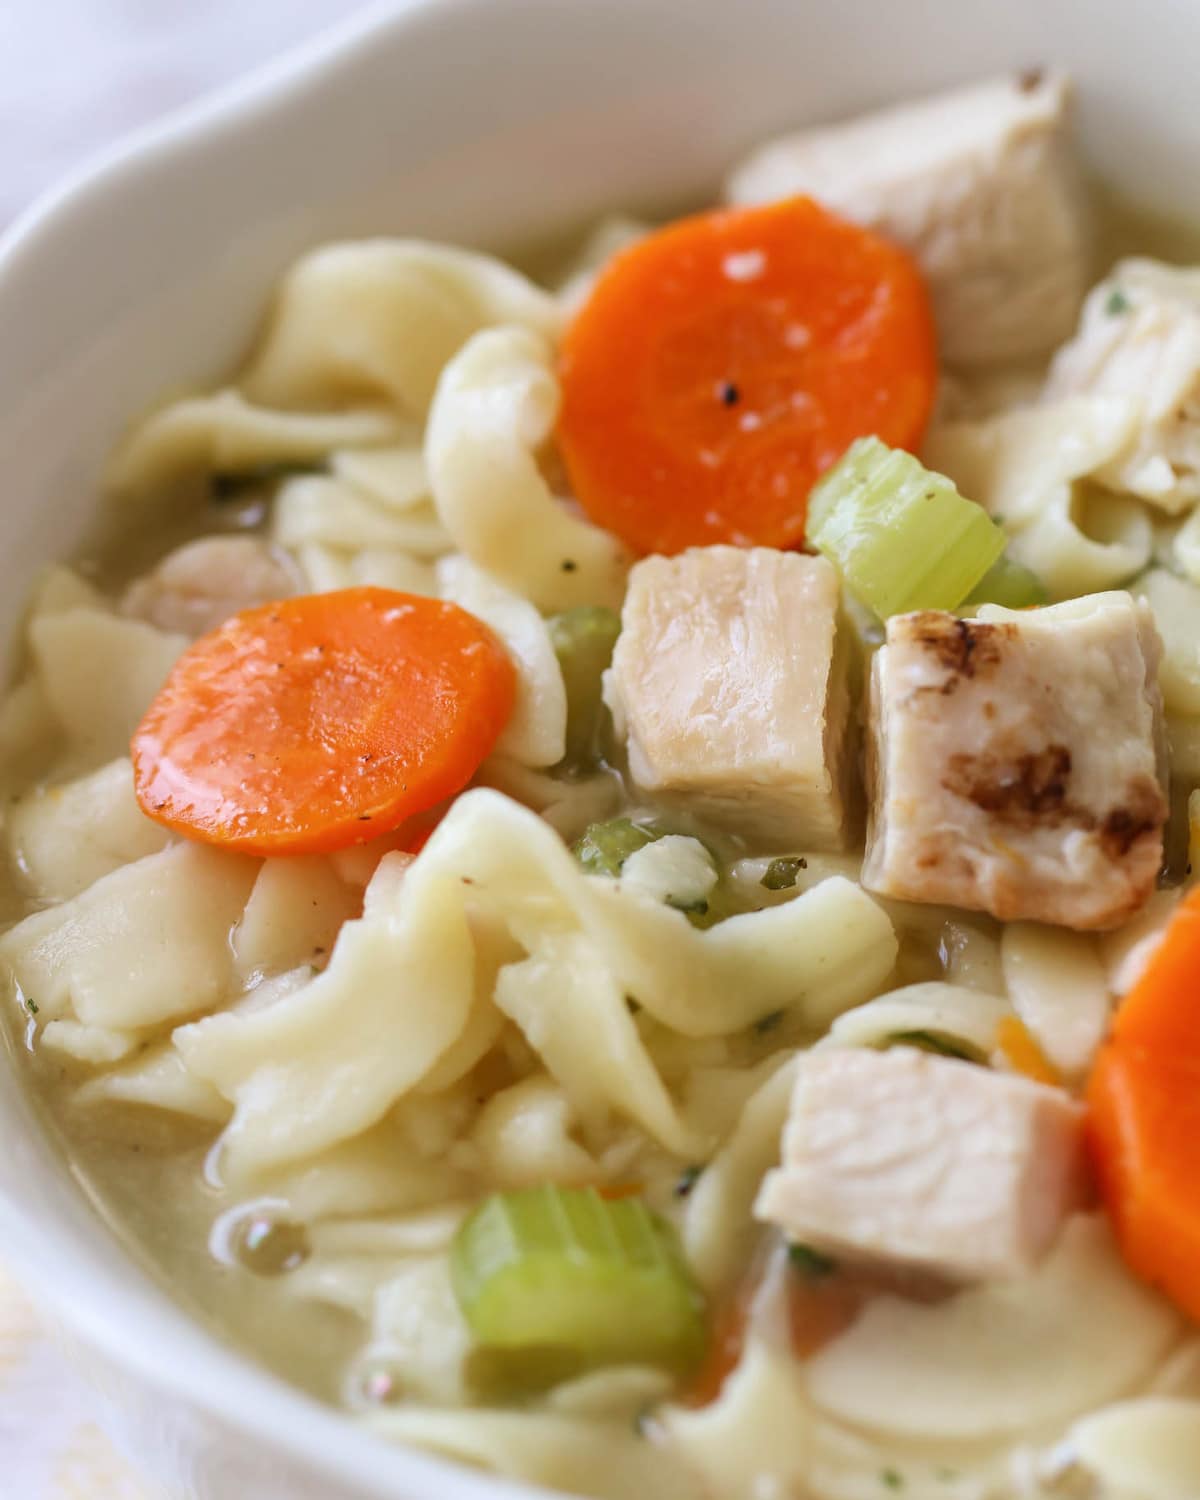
<point x="198" y="586"/>
<point x="979" y="184"/>
<point x="730" y="681"/>
<point x="925" y="1162"/>
<point x="1016" y="762"/>
<point x="1139" y="338"/>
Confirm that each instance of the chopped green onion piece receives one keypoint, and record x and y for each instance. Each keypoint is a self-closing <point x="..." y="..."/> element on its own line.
<point x="781" y="873"/>
<point x="1116" y="303"/>
<point x="551" y="1268"/>
<point x="583" y="641"/>
<point x="710" y="912"/>
<point x="232" y="484"/>
<point x="687" y="1180"/>
<point x="605" y="847"/>
<point x="901" y="536"/>
<point x="1009" y="583"/>
<point x="813" y="1264"/>
<point x="935" y="1041"/>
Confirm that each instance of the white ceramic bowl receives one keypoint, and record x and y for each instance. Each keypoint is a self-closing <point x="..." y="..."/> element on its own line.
<point x="486" y="121"/>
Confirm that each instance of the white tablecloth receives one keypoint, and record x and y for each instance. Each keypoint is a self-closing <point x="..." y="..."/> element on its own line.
<point x="75" y="75"/>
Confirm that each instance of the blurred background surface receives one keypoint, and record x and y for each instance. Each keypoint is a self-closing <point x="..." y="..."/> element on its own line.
<point x="76" y="74"/>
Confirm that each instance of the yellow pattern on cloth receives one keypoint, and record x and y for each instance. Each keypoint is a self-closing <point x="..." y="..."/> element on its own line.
<point x="50" y="1446"/>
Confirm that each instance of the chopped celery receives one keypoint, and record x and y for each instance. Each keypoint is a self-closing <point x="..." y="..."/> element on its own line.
<point x="1009" y="583"/>
<point x="583" y="640"/>
<point x="902" y="537"/>
<point x="604" y="847"/>
<point x="561" y="1269"/>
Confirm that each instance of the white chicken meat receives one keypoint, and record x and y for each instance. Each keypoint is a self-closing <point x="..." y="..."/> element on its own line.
<point x="980" y="184"/>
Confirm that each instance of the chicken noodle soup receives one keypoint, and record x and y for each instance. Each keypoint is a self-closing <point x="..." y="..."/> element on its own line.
<point x="606" y="886"/>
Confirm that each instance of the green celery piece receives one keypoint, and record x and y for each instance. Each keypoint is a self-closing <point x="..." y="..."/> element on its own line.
<point x="901" y="536"/>
<point x="549" y="1268"/>
<point x="604" y="847"/>
<point x="583" y="641"/>
<point x="1009" y="583"/>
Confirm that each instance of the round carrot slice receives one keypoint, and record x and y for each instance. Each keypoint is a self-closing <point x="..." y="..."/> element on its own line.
<point x="1144" y="1115"/>
<point x="721" y="365"/>
<point x="1144" y="1135"/>
<point x="323" y="721"/>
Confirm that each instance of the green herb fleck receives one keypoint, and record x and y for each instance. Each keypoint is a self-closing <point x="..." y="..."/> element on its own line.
<point x="893" y="1479"/>
<point x="934" y="1041"/>
<point x="605" y="847"/>
<point x="811" y="1262"/>
<point x="32" y="1006"/>
<point x="768" y="1023"/>
<point x="781" y="873"/>
<point x="689" y="908"/>
<point x="232" y="486"/>
<point x="583" y="640"/>
<point x="688" y="1179"/>
<point x="1117" y="303"/>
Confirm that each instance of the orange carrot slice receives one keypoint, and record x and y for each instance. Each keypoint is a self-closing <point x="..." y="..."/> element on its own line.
<point x="323" y="721"/>
<point x="1144" y="1116"/>
<point x="722" y="364"/>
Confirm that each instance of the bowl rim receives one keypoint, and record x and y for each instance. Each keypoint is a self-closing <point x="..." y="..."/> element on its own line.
<point x="214" y="112"/>
<point x="129" y="1317"/>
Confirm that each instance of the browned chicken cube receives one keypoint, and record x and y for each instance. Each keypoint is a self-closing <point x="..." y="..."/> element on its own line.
<point x="1016" y="762"/>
